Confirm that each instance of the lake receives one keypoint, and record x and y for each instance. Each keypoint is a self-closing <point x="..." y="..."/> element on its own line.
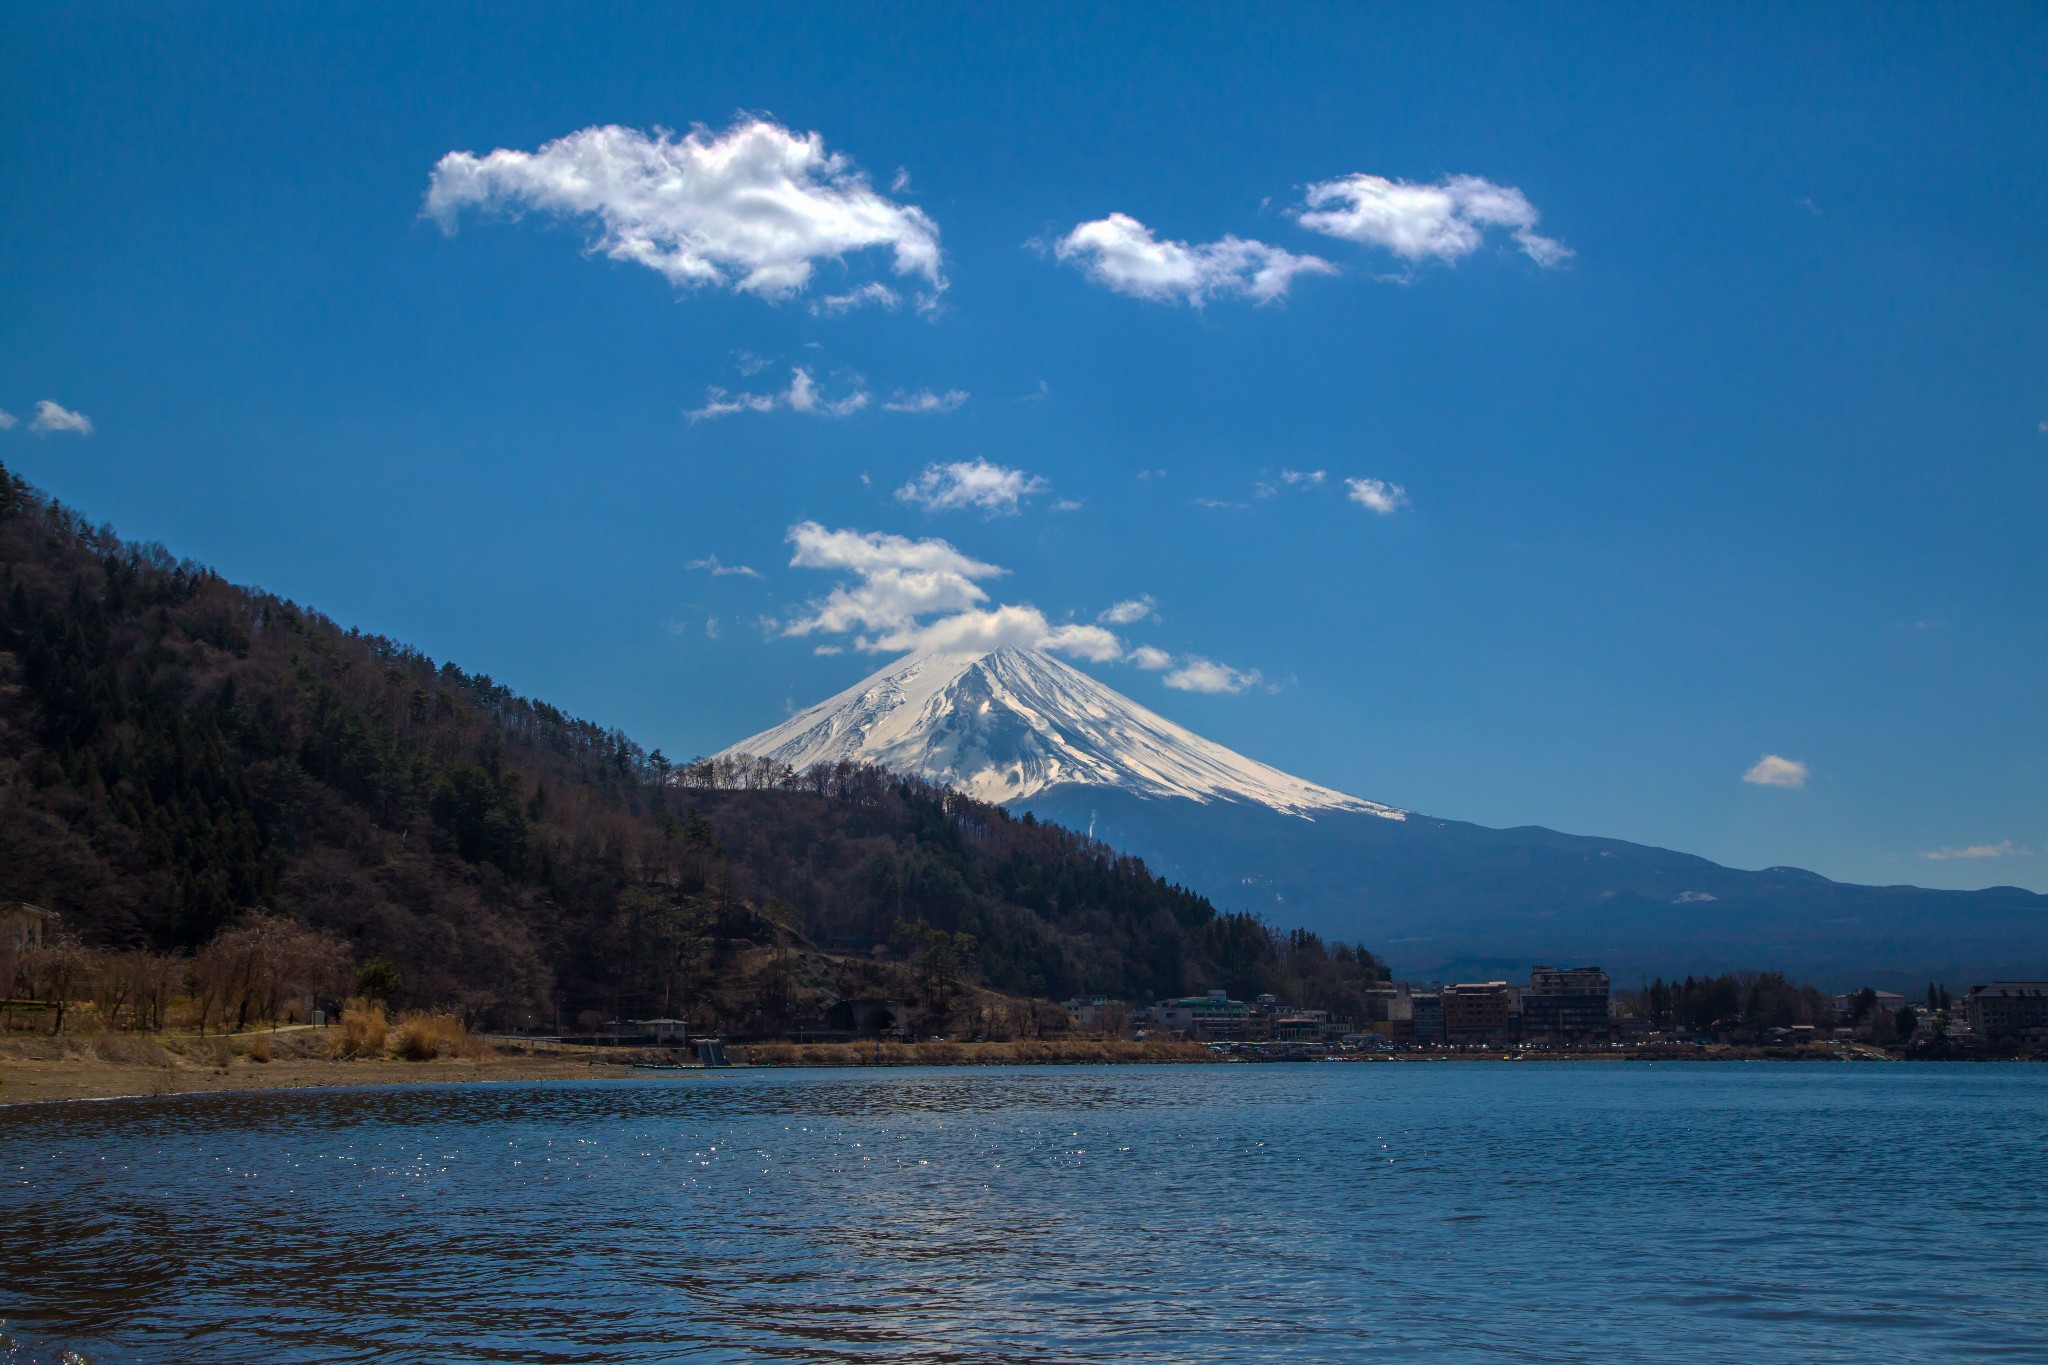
<point x="1463" y="1212"/>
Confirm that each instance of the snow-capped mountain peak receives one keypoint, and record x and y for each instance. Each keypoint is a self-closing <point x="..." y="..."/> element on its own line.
<point x="1011" y="722"/>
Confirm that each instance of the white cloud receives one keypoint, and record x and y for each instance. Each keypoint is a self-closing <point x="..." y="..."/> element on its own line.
<point x="898" y="583"/>
<point x="977" y="632"/>
<point x="711" y="565"/>
<point x="50" y="417"/>
<point x="1151" y="658"/>
<point x="711" y="627"/>
<point x="1289" y="478"/>
<point x="1773" y="771"/>
<point x="1068" y="505"/>
<point x="1196" y="674"/>
<point x="1377" y="495"/>
<point x="1120" y="253"/>
<point x="754" y="208"/>
<point x="1130" y="611"/>
<point x="7" y="420"/>
<point x="971" y="483"/>
<point x="1445" y="221"/>
<point x="802" y="395"/>
<point x="897" y="580"/>
<point x="1218" y="503"/>
<point x="2002" y="849"/>
<point x="925" y="400"/>
<point x="872" y="294"/>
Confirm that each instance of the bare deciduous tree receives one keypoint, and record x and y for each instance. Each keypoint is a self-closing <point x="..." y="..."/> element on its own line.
<point x="56" y="971"/>
<point x="250" y="970"/>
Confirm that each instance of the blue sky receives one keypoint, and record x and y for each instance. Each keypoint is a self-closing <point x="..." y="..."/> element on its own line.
<point x="1759" y="468"/>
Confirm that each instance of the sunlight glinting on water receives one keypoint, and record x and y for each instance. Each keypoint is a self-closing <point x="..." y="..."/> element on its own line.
<point x="1466" y="1212"/>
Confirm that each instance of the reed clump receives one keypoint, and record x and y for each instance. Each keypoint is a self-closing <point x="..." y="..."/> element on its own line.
<point x="363" y="1030"/>
<point x="421" y="1037"/>
<point x="258" y="1049"/>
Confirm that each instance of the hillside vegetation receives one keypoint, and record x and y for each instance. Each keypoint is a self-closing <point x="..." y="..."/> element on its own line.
<point x="177" y="752"/>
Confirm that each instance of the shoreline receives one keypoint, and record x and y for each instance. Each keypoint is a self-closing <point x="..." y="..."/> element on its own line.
<point x="75" y="1077"/>
<point x="56" y="1082"/>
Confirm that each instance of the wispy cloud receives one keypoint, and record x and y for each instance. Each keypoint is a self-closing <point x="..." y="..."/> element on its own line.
<point x="2004" y="848"/>
<point x="709" y="564"/>
<point x="753" y="209"/>
<point x="802" y="395"/>
<point x="873" y="294"/>
<point x="51" y="418"/>
<point x="963" y="484"/>
<point x="7" y="420"/>
<point x="925" y="400"/>
<point x="1774" y="771"/>
<point x="1196" y="674"/>
<point x="1122" y="254"/>
<point x="1129" y="611"/>
<point x="1289" y="478"/>
<point x="1376" y="495"/>
<point x="1151" y="658"/>
<point x="1445" y="221"/>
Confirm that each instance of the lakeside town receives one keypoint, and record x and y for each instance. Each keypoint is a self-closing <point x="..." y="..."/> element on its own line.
<point x="1576" y="1009"/>
<point x="285" y="977"/>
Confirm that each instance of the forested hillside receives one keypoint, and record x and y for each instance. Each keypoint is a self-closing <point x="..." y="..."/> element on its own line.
<point x="176" y="751"/>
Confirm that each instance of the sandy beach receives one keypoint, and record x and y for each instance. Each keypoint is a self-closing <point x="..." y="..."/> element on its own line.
<point x="112" y="1066"/>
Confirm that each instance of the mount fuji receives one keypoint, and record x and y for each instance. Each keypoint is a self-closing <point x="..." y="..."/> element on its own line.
<point x="1006" y="724"/>
<point x="1438" y="898"/>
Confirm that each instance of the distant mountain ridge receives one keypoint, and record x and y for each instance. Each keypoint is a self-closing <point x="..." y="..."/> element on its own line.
<point x="1438" y="898"/>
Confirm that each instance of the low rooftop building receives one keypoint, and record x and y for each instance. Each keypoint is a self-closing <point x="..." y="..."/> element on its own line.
<point x="2007" y="1009"/>
<point x="1478" y="1012"/>
<point x="1566" y="1005"/>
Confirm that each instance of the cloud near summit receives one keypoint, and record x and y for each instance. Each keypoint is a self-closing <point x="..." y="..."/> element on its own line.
<point x="897" y="583"/>
<point x="901" y="596"/>
<point x="753" y="209"/>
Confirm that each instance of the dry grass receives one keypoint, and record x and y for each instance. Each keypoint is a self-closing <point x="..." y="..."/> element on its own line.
<point x="1028" y="1051"/>
<point x="421" y="1037"/>
<point x="127" y="1049"/>
<point x="258" y="1049"/>
<point x="363" y="1030"/>
<point x="118" y="1049"/>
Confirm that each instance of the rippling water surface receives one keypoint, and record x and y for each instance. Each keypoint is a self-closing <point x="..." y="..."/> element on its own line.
<point x="1241" y="1213"/>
